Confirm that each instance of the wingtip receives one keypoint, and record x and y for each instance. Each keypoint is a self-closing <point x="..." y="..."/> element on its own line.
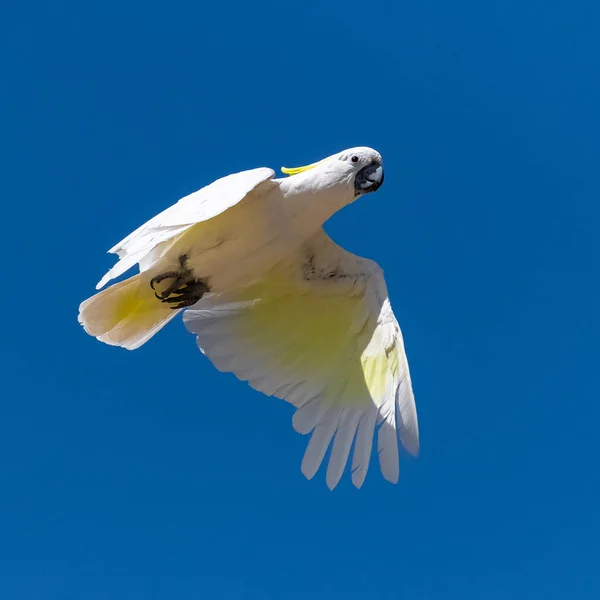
<point x="358" y="477"/>
<point x="392" y="478"/>
<point x="411" y="444"/>
<point x="332" y="481"/>
<point x="308" y="473"/>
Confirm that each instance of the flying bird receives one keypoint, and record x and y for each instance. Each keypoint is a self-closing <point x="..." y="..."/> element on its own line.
<point x="274" y="300"/>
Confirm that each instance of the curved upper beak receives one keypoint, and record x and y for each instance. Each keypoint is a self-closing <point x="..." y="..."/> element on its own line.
<point x="369" y="179"/>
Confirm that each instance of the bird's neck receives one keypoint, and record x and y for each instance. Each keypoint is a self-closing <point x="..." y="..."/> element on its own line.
<point x="309" y="202"/>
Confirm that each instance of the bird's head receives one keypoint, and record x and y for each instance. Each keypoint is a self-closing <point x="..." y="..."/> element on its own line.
<point x="352" y="172"/>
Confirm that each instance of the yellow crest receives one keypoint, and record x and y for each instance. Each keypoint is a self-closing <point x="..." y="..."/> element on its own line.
<point x="296" y="170"/>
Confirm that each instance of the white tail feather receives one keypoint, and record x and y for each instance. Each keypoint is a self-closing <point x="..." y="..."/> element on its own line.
<point x="126" y="314"/>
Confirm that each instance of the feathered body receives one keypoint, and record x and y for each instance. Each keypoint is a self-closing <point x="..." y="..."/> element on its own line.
<point x="278" y="303"/>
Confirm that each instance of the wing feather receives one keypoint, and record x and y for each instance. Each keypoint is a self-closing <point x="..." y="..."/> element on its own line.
<point x="341" y="446"/>
<point x="319" y="442"/>
<point x="165" y="227"/>
<point x="363" y="445"/>
<point x="319" y="332"/>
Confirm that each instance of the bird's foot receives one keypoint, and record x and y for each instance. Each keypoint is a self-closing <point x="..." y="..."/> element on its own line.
<point x="184" y="290"/>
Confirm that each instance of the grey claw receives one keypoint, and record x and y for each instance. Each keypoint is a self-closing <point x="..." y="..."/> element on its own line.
<point x="162" y="277"/>
<point x="184" y="290"/>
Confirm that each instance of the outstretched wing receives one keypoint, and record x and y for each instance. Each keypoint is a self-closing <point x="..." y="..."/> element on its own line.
<point x="319" y="332"/>
<point x="202" y="205"/>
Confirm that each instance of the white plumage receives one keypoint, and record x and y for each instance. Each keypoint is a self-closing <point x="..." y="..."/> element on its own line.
<point x="278" y="304"/>
<point x="330" y="346"/>
<point x="200" y="206"/>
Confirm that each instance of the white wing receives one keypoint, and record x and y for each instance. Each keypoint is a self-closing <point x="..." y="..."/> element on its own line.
<point x="202" y="205"/>
<point x="319" y="332"/>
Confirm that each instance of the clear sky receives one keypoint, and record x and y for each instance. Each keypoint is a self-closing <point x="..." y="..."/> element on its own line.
<point x="148" y="474"/>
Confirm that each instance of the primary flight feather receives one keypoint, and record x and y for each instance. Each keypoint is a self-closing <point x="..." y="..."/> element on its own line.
<point x="275" y="301"/>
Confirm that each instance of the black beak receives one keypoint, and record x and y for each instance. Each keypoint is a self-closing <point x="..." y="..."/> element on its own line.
<point x="369" y="179"/>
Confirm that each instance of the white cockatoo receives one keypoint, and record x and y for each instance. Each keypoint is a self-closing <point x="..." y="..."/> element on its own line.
<point x="276" y="302"/>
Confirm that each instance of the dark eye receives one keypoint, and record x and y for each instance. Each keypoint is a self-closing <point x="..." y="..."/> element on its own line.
<point x="354" y="159"/>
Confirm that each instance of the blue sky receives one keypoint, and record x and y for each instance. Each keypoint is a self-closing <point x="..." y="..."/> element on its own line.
<point x="116" y="483"/>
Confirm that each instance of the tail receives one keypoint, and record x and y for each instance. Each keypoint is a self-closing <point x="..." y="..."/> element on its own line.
<point x="126" y="314"/>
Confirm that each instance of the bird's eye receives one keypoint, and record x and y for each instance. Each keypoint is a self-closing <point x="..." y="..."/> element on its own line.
<point x="354" y="159"/>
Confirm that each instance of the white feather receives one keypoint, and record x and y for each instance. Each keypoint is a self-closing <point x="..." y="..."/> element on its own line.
<point x="363" y="446"/>
<point x="261" y="333"/>
<point x="200" y="206"/>
<point x="341" y="446"/>
<point x="387" y="444"/>
<point x="319" y="442"/>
